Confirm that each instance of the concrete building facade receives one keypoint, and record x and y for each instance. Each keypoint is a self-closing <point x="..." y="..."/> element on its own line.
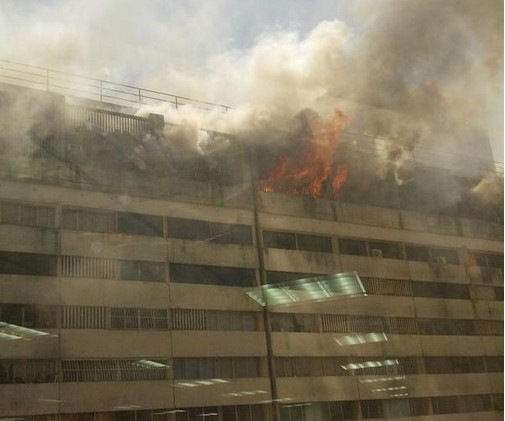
<point x="123" y="293"/>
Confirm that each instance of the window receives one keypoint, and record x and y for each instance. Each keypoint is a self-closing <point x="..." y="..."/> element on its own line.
<point x="27" y="264"/>
<point x="382" y="286"/>
<point x="84" y="317"/>
<point x="497" y="402"/>
<point x="279" y="240"/>
<point x="343" y="410"/>
<point x="488" y="260"/>
<point x="333" y="366"/>
<point x="289" y="322"/>
<point x="295" y="241"/>
<point x="239" y="413"/>
<point x="276" y="276"/>
<point x="396" y="408"/>
<point x="88" y="220"/>
<point x="315" y="243"/>
<point x="447" y="405"/>
<point x="115" y="370"/>
<point x="445" y="255"/>
<point x="386" y="250"/>
<point x="133" y="270"/>
<point x="299" y="366"/>
<point x="417" y="253"/>
<point x="192" y="229"/>
<point x="30" y="316"/>
<point x="189" y="319"/>
<point x="139" y="318"/>
<point x="489" y="327"/>
<point x="211" y="275"/>
<point x="231" y="320"/>
<point x="139" y="224"/>
<point x="445" y="327"/>
<point x="27" y="371"/>
<point x="440" y="290"/>
<point x="220" y="368"/>
<point x="372" y="409"/>
<point x="189" y="229"/>
<point x="467" y="365"/>
<point x="419" y="406"/>
<point x="22" y="214"/>
<point x="186" y="319"/>
<point x="88" y="267"/>
<point x="353" y="247"/>
<point x="230" y="234"/>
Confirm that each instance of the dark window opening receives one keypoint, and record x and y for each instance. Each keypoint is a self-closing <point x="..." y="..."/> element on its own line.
<point x="294" y="241"/>
<point x="218" y="368"/>
<point x="192" y="229"/>
<point x="353" y="247"/>
<point x="386" y="250"/>
<point x="132" y="270"/>
<point x="289" y="322"/>
<point x="276" y="276"/>
<point x="88" y="220"/>
<point x="417" y="253"/>
<point x="488" y="260"/>
<point x="27" y="264"/>
<point x="279" y="240"/>
<point x="445" y="256"/>
<point x="22" y="214"/>
<point x="440" y="290"/>
<point x="139" y="224"/>
<point x="211" y="275"/>
<point x="230" y="234"/>
<point x="29" y="316"/>
<point x="315" y="243"/>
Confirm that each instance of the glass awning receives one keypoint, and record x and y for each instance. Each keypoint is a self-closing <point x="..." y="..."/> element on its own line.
<point x="307" y="290"/>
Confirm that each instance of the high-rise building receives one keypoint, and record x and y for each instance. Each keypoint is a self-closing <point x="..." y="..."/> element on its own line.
<point x="127" y="266"/>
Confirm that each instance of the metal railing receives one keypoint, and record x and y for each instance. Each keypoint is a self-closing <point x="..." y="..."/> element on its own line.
<point x="107" y="121"/>
<point x="69" y="84"/>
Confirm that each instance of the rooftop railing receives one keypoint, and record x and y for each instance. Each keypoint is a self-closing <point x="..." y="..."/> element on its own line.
<point x="69" y="84"/>
<point x="72" y="85"/>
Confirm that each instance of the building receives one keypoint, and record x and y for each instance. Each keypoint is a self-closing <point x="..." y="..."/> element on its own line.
<point x="123" y="286"/>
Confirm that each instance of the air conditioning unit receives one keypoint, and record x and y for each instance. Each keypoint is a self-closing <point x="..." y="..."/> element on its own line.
<point x="376" y="253"/>
<point x="441" y="259"/>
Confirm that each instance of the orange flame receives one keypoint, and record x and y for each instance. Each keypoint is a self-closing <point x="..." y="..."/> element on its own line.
<point x="307" y="174"/>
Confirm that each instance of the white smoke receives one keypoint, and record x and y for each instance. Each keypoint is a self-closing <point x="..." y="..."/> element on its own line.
<point x="440" y="63"/>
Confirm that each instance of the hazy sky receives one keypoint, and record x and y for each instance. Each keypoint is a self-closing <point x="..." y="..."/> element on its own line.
<point x="390" y="53"/>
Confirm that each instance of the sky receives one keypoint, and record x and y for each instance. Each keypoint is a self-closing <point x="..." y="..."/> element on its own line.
<point x="436" y="61"/>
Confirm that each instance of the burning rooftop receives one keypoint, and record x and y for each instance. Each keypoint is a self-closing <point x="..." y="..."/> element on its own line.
<point x="307" y="155"/>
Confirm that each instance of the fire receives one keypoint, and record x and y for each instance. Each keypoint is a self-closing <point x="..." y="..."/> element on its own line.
<point x="307" y="173"/>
